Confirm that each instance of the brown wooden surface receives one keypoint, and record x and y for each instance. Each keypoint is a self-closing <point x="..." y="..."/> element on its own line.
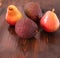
<point x="44" y="45"/>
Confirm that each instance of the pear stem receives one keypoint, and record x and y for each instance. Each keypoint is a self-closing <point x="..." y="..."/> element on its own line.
<point x="59" y="24"/>
<point x="53" y="10"/>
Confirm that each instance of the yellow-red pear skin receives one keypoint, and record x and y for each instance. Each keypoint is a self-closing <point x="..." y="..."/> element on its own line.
<point x="13" y="15"/>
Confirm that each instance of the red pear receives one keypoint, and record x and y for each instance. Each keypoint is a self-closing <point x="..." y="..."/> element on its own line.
<point x="50" y="22"/>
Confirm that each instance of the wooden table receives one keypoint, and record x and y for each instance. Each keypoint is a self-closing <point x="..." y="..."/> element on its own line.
<point x="44" y="45"/>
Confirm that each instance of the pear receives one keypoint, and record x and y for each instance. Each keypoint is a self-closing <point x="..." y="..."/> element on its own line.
<point x="13" y="15"/>
<point x="50" y="21"/>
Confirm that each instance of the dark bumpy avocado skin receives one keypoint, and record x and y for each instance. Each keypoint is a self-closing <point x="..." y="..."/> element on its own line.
<point x="26" y="28"/>
<point x="33" y="10"/>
